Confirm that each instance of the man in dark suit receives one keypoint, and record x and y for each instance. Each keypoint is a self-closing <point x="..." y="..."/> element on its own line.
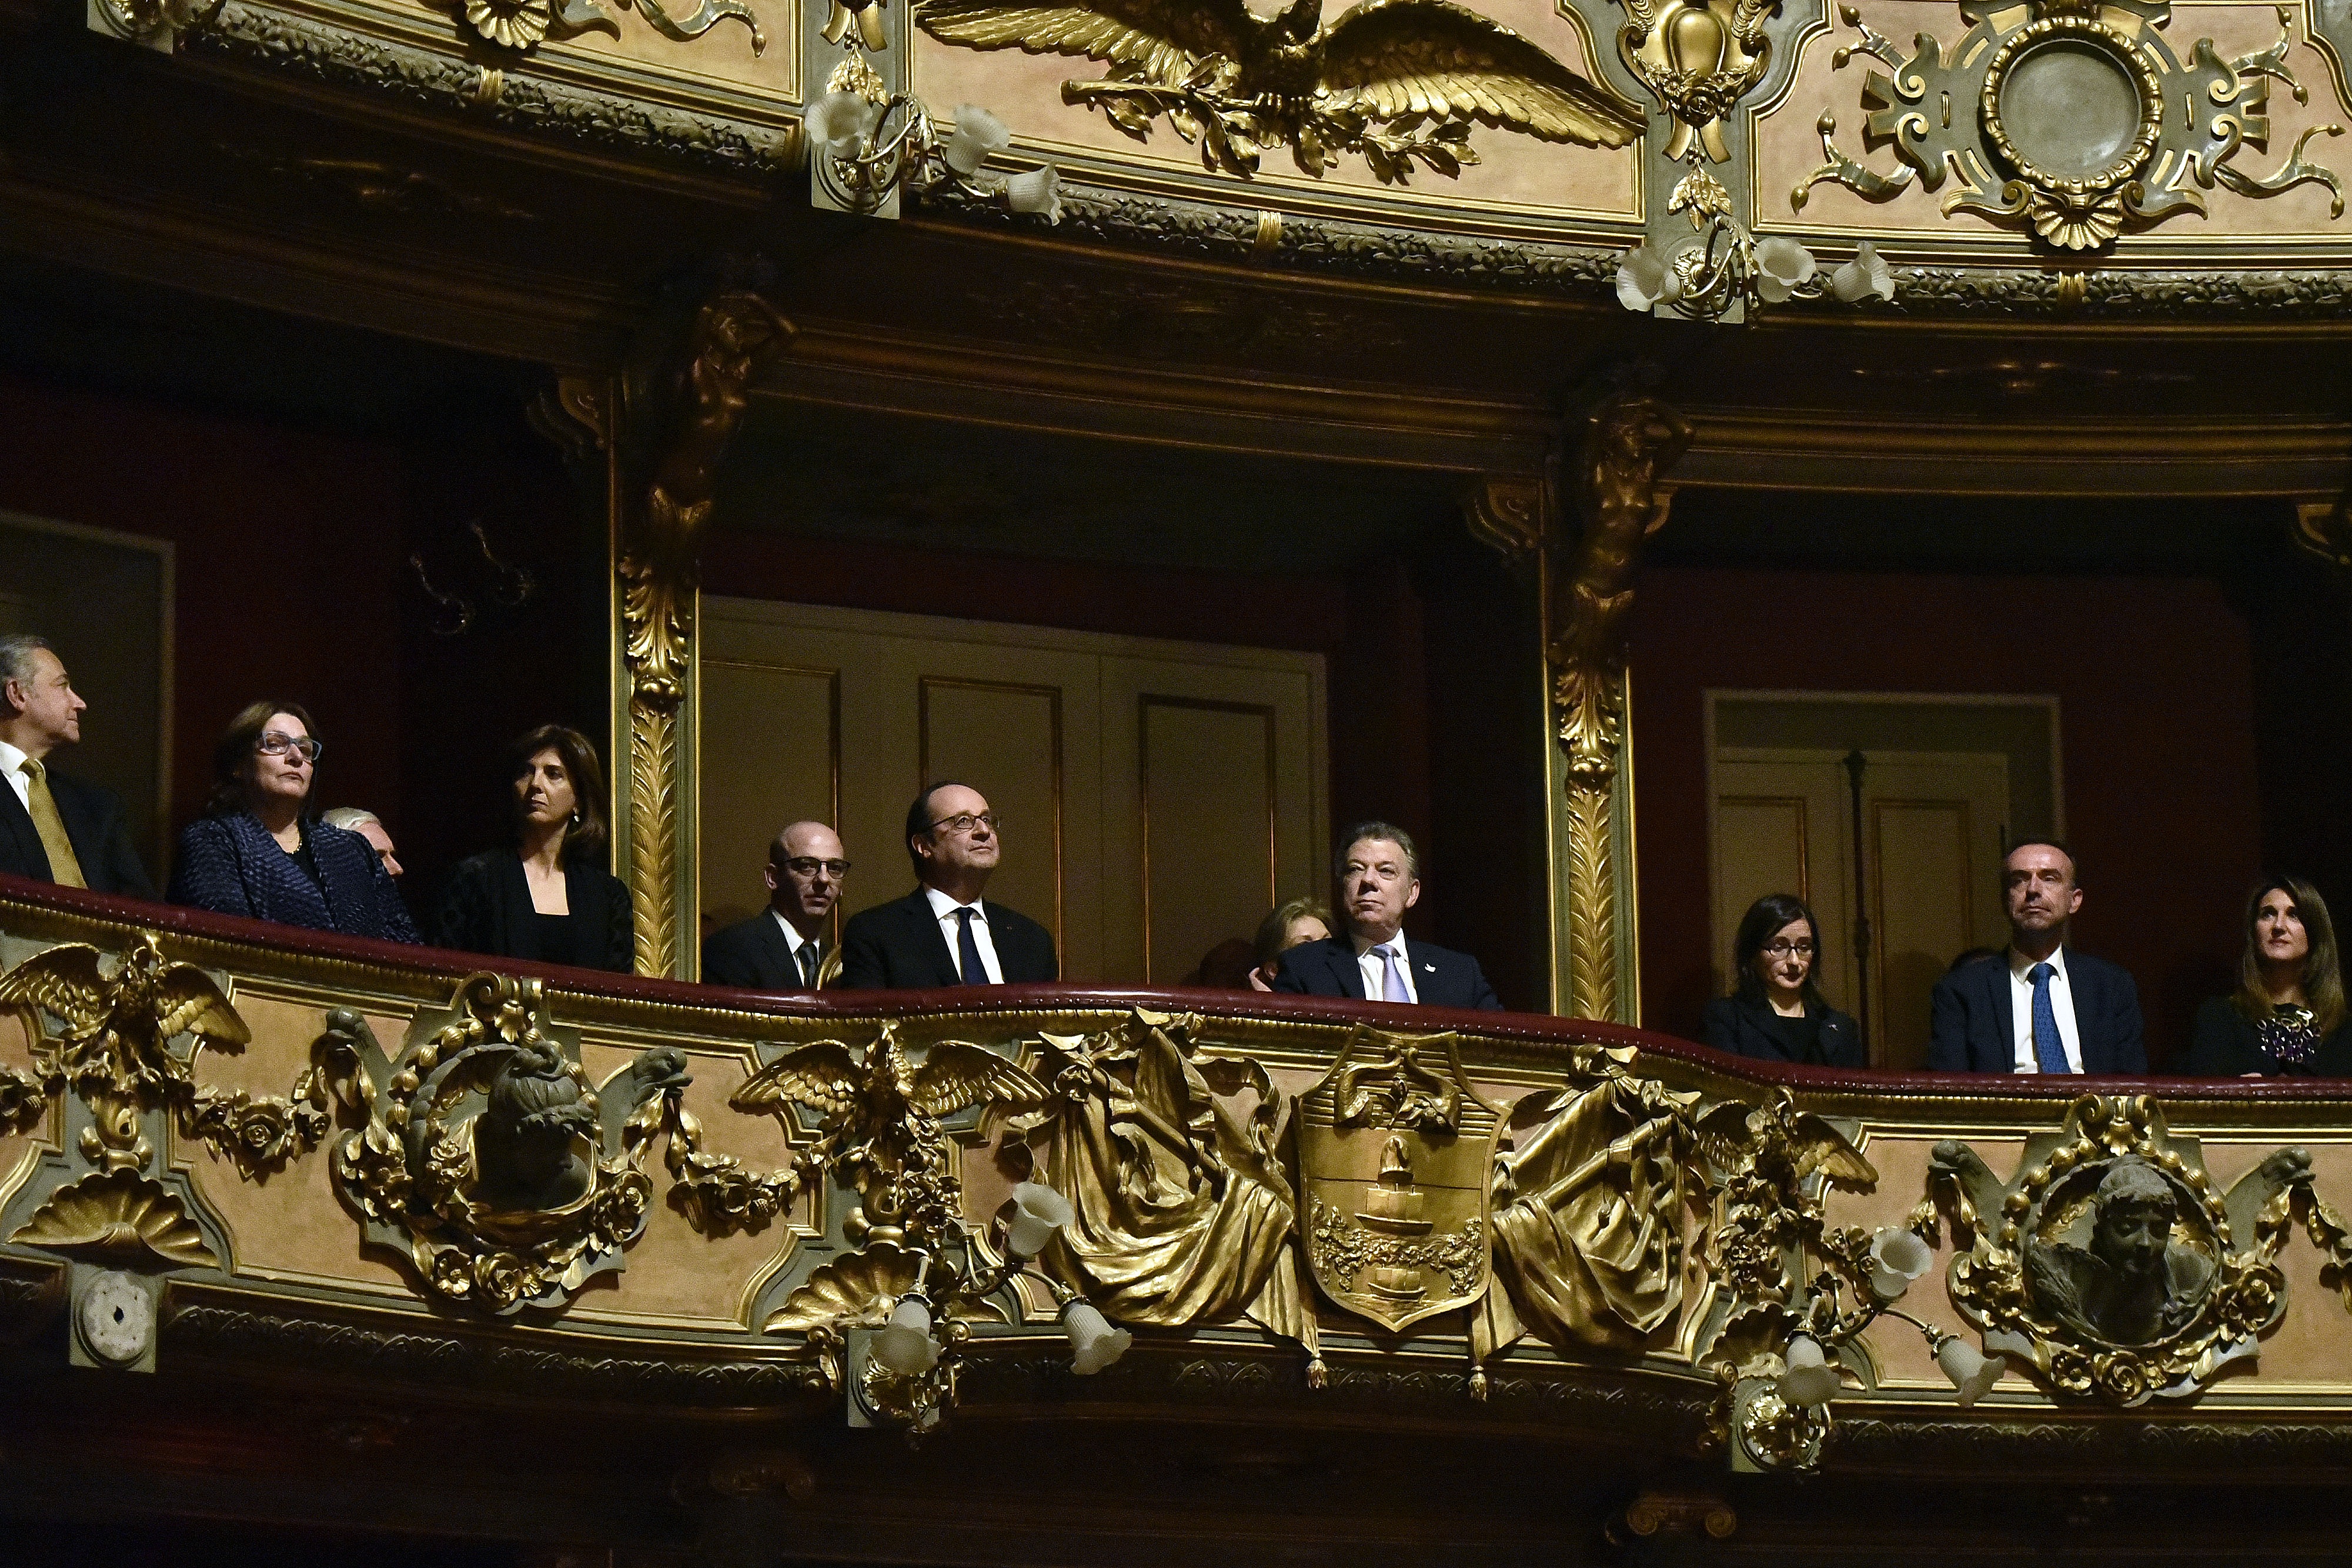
<point x="782" y="949"/>
<point x="941" y="934"/>
<point x="53" y="827"/>
<point x="2046" y="1008"/>
<point x="1379" y="873"/>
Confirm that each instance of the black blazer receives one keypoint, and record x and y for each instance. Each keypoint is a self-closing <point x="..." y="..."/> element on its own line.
<point x="1975" y="1024"/>
<point x="231" y="865"/>
<point x="754" y="955"/>
<point x="486" y="908"/>
<point x="1441" y="976"/>
<point x="95" y="826"/>
<point x="2223" y="1044"/>
<point x="1752" y="1028"/>
<point x="899" y="946"/>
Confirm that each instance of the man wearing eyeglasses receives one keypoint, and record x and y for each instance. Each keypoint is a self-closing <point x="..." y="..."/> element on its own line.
<point x="53" y="827"/>
<point x="942" y="934"/>
<point x="782" y="949"/>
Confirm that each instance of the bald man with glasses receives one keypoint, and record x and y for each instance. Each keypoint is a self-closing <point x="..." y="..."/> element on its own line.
<point x="782" y="948"/>
<point x="944" y="934"/>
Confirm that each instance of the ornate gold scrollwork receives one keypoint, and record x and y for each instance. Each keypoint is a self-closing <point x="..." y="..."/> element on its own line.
<point x="1184" y="1213"/>
<point x="1700" y="58"/>
<point x="2138" y="122"/>
<point x="1629" y="445"/>
<point x="714" y="1191"/>
<point x="522" y="25"/>
<point x="2110" y="1263"/>
<point x="114" y="1050"/>
<point x="880" y="1135"/>
<point x="730" y="337"/>
<point x="488" y="1160"/>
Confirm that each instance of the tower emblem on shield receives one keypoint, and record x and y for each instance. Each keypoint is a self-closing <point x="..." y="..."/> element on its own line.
<point x="1397" y="1150"/>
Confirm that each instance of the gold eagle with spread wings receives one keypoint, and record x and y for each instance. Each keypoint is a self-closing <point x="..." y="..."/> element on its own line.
<point x="1400" y="82"/>
<point x="880" y="1107"/>
<point x="118" y="1027"/>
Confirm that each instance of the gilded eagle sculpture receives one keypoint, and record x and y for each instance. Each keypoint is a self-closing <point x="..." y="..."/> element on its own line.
<point x="1399" y="82"/>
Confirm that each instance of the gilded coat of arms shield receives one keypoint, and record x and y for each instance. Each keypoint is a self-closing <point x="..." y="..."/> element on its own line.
<point x="1396" y="1153"/>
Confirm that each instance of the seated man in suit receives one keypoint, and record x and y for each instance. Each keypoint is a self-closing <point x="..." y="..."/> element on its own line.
<point x="54" y="827"/>
<point x="940" y="933"/>
<point x="2047" y="1008"/>
<point x="782" y="949"/>
<point x="1379" y="873"/>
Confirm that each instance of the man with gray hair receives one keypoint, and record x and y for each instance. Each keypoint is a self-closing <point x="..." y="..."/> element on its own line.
<point x="1378" y="875"/>
<point x="55" y="827"/>
<point x="368" y="825"/>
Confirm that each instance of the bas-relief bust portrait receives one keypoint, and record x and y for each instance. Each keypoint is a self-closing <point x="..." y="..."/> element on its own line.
<point x="2134" y="1283"/>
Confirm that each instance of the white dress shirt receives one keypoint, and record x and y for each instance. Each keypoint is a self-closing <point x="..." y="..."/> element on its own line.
<point x="2062" y="1002"/>
<point x="794" y="942"/>
<point x="953" y="929"/>
<point x="1375" y="968"/>
<point x="12" y="762"/>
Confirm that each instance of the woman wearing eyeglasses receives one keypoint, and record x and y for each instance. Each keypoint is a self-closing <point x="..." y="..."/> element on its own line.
<point x="258" y="852"/>
<point x="1776" y="1012"/>
<point x="546" y="899"/>
<point x="2287" y="1016"/>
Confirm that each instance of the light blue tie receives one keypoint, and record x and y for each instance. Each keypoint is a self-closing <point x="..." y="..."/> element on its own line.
<point x="2048" y="1050"/>
<point x="1392" y="978"/>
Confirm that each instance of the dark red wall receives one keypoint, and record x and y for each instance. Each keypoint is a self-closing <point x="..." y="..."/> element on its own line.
<point x="287" y="558"/>
<point x="2155" y="682"/>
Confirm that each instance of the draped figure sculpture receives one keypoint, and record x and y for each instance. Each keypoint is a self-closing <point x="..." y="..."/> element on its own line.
<point x="1590" y="1212"/>
<point x="1183" y="1214"/>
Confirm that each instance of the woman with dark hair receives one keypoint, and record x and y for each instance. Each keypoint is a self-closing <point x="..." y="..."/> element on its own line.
<point x="2287" y="1013"/>
<point x="546" y="899"/>
<point x="257" y="852"/>
<point x="1776" y="1012"/>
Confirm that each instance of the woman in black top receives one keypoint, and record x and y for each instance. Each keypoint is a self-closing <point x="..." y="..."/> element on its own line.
<point x="1776" y="1012"/>
<point x="547" y="899"/>
<point x="2287" y="1014"/>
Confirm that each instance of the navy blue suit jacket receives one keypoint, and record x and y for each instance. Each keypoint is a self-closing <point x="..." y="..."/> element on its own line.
<point x="231" y="865"/>
<point x="1441" y="976"/>
<point x="1975" y="1028"/>
<point x="900" y="945"/>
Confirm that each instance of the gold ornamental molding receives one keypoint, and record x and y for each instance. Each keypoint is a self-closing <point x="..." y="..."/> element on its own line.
<point x="1629" y="1239"/>
<point x="662" y="432"/>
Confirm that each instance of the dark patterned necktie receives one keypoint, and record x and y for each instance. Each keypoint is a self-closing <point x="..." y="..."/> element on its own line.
<point x="807" y="959"/>
<point x="975" y="973"/>
<point x="2048" y="1050"/>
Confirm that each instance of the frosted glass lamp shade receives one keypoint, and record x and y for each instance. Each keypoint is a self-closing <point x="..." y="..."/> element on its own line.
<point x="1097" y="1344"/>
<point x="979" y="136"/>
<point x="1038" y="191"/>
<point x="1811" y="1379"/>
<point x="1896" y="1258"/>
<point x="1781" y="264"/>
<point x="906" y="1346"/>
<point x="1972" y="1371"/>
<point x="840" y="117"/>
<point x="1038" y="1211"/>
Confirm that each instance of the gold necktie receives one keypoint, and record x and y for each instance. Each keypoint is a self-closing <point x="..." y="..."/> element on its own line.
<point x="43" y="806"/>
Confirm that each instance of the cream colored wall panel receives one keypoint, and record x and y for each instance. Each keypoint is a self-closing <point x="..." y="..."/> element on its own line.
<point x="1209" y="827"/>
<point x="1921" y="876"/>
<point x="770" y="756"/>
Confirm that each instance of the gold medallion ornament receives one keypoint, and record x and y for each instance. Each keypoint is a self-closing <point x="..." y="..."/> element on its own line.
<point x="1394" y="1153"/>
<point x="2110" y="1263"/>
<point x="1700" y="56"/>
<point x="2075" y="119"/>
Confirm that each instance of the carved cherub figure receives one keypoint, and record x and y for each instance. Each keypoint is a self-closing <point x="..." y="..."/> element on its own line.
<point x="2134" y="1285"/>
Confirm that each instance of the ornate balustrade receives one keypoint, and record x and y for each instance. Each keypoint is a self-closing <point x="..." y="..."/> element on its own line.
<point x="241" y="1157"/>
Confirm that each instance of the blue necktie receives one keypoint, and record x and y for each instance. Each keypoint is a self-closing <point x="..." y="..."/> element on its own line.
<point x="975" y="973"/>
<point x="2048" y="1050"/>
